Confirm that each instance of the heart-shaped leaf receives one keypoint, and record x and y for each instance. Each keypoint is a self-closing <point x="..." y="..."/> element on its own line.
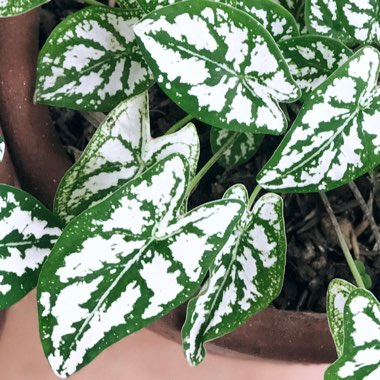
<point x="246" y="276"/>
<point x="274" y="17"/>
<point x="230" y="74"/>
<point x="2" y="148"/>
<point x="335" y="137"/>
<point x="361" y="19"/>
<point x="361" y="349"/>
<point x="312" y="59"/>
<point x="126" y="262"/>
<point x="324" y="17"/>
<point x="91" y="61"/>
<point x="337" y="295"/>
<point x="120" y="149"/>
<point x="16" y="7"/>
<point x="28" y="231"/>
<point x="241" y="151"/>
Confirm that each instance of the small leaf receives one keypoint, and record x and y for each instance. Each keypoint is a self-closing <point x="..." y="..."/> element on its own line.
<point x="337" y="295"/>
<point x="312" y="59"/>
<point x="126" y="262"/>
<point x="120" y="149"/>
<point x="28" y="231"/>
<point x="2" y="148"/>
<point x="274" y="17"/>
<point x="230" y="74"/>
<point x="16" y="7"/>
<point x="361" y="349"/>
<point x="91" y="61"/>
<point x="241" y="151"/>
<point x="335" y="137"/>
<point x="324" y="17"/>
<point x="361" y="19"/>
<point x="246" y="276"/>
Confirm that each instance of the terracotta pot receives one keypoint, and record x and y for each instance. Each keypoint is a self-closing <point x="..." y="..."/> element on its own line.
<point x="40" y="162"/>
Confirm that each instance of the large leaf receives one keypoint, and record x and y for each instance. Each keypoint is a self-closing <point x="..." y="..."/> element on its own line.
<point x="337" y="295"/>
<point x="312" y="59"/>
<point x="241" y="151"/>
<point x="120" y="149"/>
<point x="91" y="61"/>
<point x="335" y="137"/>
<point x="229" y="74"/>
<point x="28" y="231"/>
<point x="16" y="7"/>
<point x="126" y="262"/>
<point x="244" y="278"/>
<point x="324" y="17"/>
<point x="2" y="148"/>
<point x="274" y="17"/>
<point x="361" y="349"/>
<point x="361" y="19"/>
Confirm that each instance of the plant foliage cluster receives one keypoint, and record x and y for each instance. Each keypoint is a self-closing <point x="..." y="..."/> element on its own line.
<point x="120" y="248"/>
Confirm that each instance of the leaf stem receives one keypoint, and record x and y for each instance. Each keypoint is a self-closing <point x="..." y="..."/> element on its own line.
<point x="194" y="182"/>
<point x="179" y="124"/>
<point x="342" y="242"/>
<point x="367" y="213"/>
<point x="91" y="2"/>
<point x="253" y="196"/>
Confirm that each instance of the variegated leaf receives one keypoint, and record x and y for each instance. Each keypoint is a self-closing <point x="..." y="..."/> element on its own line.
<point x="120" y="149"/>
<point x="335" y="137"/>
<point x="324" y="17"/>
<point x="126" y="262"/>
<point x="241" y="151"/>
<point x="91" y="61"/>
<point x="337" y="295"/>
<point x="2" y="148"/>
<point x="246" y="276"/>
<point x="312" y="59"/>
<point x="16" y="7"/>
<point x="361" y="19"/>
<point x="274" y="17"/>
<point x="230" y="74"/>
<point x="361" y="349"/>
<point x="28" y="231"/>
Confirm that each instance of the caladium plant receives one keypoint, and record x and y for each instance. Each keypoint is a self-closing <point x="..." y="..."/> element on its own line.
<point x="130" y="251"/>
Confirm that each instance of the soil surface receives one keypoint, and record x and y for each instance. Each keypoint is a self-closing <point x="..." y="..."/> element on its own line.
<point x="314" y="258"/>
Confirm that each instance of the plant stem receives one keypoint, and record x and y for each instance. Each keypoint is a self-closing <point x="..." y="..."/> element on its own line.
<point x="253" y="196"/>
<point x="342" y="242"/>
<point x="91" y="2"/>
<point x="194" y="182"/>
<point x="367" y="213"/>
<point x="179" y="124"/>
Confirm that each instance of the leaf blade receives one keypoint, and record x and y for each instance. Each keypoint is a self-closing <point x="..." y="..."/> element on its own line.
<point x="10" y="8"/>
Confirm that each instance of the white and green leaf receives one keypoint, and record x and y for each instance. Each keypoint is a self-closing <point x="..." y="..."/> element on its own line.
<point x="2" y="148"/>
<point x="120" y="149"/>
<point x="337" y="295"/>
<point x="126" y="262"/>
<point x="241" y="151"/>
<point x="91" y="61"/>
<point x="312" y="59"/>
<point x="16" y="7"/>
<point x="230" y="74"/>
<point x="360" y="359"/>
<point x="275" y="18"/>
<point x="28" y="231"/>
<point x="128" y="4"/>
<point x="246" y="276"/>
<point x="324" y="17"/>
<point x="361" y="19"/>
<point x="335" y="137"/>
